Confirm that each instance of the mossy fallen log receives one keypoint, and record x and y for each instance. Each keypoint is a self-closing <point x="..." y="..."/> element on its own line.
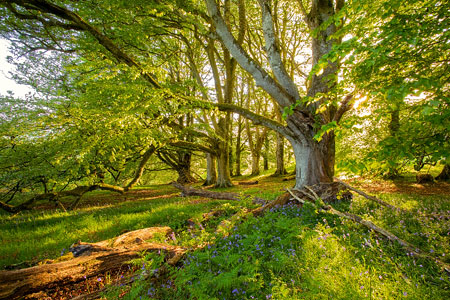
<point x="88" y="260"/>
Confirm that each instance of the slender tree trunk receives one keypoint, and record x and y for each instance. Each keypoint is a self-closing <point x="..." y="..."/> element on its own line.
<point x="255" y="163"/>
<point x="211" y="175"/>
<point x="394" y="126"/>
<point x="280" y="156"/>
<point x="266" y="154"/>
<point x="238" y="148"/>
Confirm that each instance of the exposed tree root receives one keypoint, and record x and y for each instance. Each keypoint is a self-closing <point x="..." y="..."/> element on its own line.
<point x="407" y="246"/>
<point x="188" y="191"/>
<point x="87" y="260"/>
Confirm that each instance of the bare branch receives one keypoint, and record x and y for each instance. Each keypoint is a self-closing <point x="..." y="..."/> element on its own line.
<point x="273" y="52"/>
<point x="255" y="118"/>
<point x="262" y="78"/>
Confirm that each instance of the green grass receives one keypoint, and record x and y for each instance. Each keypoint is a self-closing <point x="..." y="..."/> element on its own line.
<point x="297" y="253"/>
<point x="289" y="253"/>
<point x="46" y="234"/>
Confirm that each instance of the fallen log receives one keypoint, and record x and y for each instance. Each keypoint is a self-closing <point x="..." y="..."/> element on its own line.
<point x="89" y="260"/>
<point x="372" y="198"/>
<point x="189" y="191"/>
<point x="289" y="178"/>
<point x="248" y="182"/>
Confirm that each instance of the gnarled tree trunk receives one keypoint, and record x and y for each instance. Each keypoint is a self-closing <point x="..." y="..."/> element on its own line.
<point x="314" y="159"/>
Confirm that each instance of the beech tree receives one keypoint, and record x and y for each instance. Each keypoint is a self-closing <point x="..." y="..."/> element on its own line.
<point x="306" y="117"/>
<point x="398" y="59"/>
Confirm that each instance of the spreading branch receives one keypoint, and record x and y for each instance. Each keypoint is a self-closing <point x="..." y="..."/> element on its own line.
<point x="46" y="7"/>
<point x="141" y="168"/>
<point x="273" y="52"/>
<point x="255" y="118"/>
<point x="77" y="192"/>
<point x="262" y="78"/>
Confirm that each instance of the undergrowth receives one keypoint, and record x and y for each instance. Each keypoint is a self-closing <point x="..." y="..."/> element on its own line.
<point x="295" y="252"/>
<point x="290" y="252"/>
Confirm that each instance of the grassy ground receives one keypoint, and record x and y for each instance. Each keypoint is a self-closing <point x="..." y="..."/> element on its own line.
<point x="289" y="253"/>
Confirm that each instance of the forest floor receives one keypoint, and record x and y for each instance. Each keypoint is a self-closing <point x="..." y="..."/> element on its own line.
<point x="289" y="253"/>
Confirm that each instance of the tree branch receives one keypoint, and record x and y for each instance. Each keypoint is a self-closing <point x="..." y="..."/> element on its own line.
<point x="193" y="146"/>
<point x="345" y="106"/>
<point x="76" y="192"/>
<point x="141" y="167"/>
<point x="255" y="118"/>
<point x="273" y="52"/>
<point x="262" y="78"/>
<point x="44" y="6"/>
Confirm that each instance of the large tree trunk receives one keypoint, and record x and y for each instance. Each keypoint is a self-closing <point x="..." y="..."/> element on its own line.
<point x="314" y="161"/>
<point x="445" y="173"/>
<point x="211" y="174"/>
<point x="223" y="171"/>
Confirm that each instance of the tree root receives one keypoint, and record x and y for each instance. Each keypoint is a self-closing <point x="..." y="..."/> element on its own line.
<point x="188" y="191"/>
<point x="407" y="246"/>
<point x="87" y="260"/>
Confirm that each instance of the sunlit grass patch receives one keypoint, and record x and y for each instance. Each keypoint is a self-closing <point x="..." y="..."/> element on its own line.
<point x="40" y="235"/>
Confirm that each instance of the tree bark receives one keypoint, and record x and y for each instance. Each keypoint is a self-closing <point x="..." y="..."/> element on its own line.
<point x="445" y="173"/>
<point x="280" y="156"/>
<point x="211" y="174"/>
